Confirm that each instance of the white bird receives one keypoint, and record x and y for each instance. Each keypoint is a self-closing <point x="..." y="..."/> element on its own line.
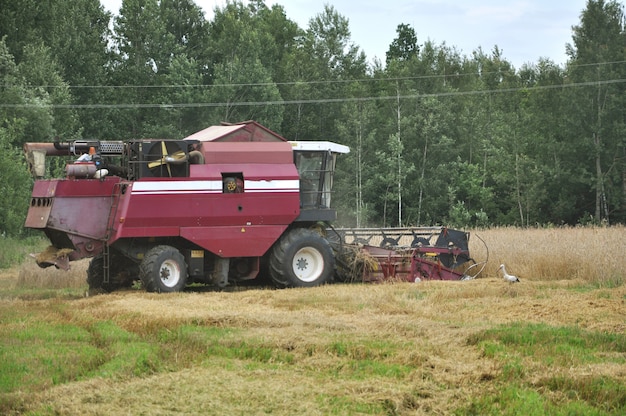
<point x="506" y="276"/>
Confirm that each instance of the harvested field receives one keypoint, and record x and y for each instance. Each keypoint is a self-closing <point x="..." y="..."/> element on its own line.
<point x="552" y="344"/>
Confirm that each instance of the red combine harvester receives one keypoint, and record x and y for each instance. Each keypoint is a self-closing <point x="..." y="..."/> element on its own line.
<point x="217" y="207"/>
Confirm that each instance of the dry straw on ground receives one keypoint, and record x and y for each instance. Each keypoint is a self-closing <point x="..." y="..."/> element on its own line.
<point x="31" y="276"/>
<point x="570" y="277"/>
<point x="566" y="253"/>
<point x="428" y="326"/>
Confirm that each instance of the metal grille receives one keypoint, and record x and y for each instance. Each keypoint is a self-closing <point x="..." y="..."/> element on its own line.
<point x="112" y="148"/>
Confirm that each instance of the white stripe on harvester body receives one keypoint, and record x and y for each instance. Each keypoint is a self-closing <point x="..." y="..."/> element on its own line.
<point x="281" y="185"/>
<point x="211" y="187"/>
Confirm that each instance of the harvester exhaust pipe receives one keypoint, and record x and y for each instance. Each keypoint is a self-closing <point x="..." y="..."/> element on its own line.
<point x="36" y="152"/>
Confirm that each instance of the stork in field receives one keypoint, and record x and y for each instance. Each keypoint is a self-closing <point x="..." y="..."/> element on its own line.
<point x="506" y="276"/>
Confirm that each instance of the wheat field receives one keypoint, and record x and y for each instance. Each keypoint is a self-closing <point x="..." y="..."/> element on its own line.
<point x="393" y="349"/>
<point x="592" y="254"/>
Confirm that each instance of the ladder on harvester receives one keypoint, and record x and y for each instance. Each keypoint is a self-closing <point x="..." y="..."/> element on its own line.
<point x="115" y="200"/>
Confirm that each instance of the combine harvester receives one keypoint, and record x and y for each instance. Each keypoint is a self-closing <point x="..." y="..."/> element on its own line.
<point x="224" y="205"/>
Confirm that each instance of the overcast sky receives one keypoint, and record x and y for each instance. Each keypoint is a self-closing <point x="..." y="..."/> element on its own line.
<point x="525" y="30"/>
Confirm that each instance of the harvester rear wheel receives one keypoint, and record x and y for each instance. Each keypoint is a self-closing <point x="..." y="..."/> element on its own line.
<point x="301" y="258"/>
<point x="119" y="276"/>
<point x="163" y="269"/>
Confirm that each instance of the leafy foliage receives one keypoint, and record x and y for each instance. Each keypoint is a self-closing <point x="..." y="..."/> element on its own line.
<point x="474" y="141"/>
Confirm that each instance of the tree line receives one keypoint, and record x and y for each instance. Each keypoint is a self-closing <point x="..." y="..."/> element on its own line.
<point x="436" y="137"/>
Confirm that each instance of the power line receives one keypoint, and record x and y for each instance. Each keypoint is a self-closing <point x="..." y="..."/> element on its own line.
<point x="304" y="83"/>
<point x="315" y="101"/>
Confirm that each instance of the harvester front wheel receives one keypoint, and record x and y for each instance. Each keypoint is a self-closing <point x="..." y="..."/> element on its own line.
<point x="301" y="258"/>
<point x="163" y="269"/>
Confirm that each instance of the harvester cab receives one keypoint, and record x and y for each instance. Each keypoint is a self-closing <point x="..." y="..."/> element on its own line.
<point x="316" y="162"/>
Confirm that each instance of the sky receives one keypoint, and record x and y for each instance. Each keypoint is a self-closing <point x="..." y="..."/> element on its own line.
<point x="524" y="30"/>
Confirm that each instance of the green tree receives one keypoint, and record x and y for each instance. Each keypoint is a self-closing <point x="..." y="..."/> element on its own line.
<point x="42" y="74"/>
<point x="184" y="73"/>
<point x="596" y="58"/>
<point x="15" y="185"/>
<point x="76" y="36"/>
<point x="241" y="44"/>
<point x="324" y="59"/>
<point x="404" y="47"/>
<point x="25" y="114"/>
<point x="184" y="21"/>
<point x="161" y="65"/>
<point x="358" y="131"/>
<point x="402" y="61"/>
<point x="274" y="38"/>
<point x="238" y="83"/>
<point x="545" y="124"/>
<point x="424" y="123"/>
<point x="185" y="89"/>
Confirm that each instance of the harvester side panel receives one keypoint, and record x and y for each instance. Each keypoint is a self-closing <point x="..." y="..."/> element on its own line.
<point x="73" y="210"/>
<point x="255" y="172"/>
<point x="166" y="205"/>
<point x="41" y="203"/>
<point x="275" y="153"/>
<point x="244" y="222"/>
<point x="235" y="241"/>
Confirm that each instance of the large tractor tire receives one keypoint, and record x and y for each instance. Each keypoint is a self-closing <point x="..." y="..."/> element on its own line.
<point x="120" y="274"/>
<point x="301" y="258"/>
<point x="163" y="269"/>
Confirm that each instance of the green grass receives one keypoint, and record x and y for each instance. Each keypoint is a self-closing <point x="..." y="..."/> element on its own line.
<point x="15" y="251"/>
<point x="42" y="294"/>
<point x="346" y="405"/>
<point x="192" y="343"/>
<point x="611" y="281"/>
<point x="363" y="349"/>
<point x="364" y="369"/>
<point x="379" y="350"/>
<point x="126" y="354"/>
<point x="516" y="400"/>
<point x="550" y="345"/>
<point x="35" y="355"/>
<point x="518" y="347"/>
<point x="602" y="393"/>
